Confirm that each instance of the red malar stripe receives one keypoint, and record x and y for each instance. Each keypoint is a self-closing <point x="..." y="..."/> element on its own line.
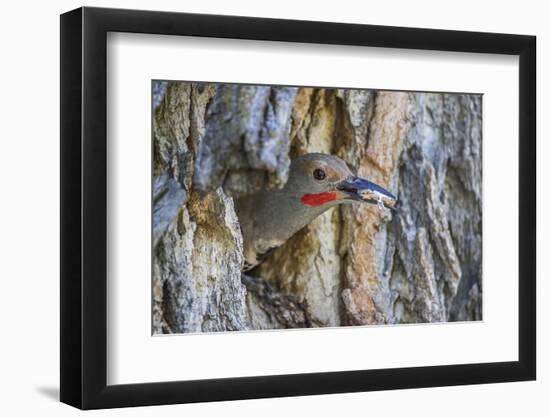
<point x="319" y="199"/>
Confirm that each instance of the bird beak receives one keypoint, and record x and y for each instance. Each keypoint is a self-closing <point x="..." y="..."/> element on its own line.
<point x="362" y="190"/>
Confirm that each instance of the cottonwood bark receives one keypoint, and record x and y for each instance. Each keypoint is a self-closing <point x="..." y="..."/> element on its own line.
<point x="354" y="264"/>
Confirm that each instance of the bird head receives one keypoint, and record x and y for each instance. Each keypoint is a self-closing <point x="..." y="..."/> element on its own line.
<point x="320" y="180"/>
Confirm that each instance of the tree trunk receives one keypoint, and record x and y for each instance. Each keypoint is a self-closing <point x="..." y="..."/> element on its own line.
<point x="353" y="265"/>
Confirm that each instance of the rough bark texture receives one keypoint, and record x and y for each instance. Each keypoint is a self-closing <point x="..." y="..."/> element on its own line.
<point x="246" y="143"/>
<point x="353" y="265"/>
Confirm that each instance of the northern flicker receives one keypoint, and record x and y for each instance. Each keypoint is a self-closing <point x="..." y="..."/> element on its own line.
<point x="316" y="183"/>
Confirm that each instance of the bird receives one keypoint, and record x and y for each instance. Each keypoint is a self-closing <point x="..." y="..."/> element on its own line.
<point x="316" y="182"/>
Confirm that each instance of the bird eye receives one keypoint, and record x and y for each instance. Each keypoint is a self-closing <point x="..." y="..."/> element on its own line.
<point x="319" y="174"/>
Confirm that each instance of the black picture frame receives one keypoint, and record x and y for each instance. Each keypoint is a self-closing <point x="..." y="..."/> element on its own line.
<point x="84" y="207"/>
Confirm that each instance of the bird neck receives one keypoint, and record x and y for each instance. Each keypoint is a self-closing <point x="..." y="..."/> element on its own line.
<point x="282" y="215"/>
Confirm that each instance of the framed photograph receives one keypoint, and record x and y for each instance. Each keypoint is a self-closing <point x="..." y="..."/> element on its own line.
<point x="256" y="208"/>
